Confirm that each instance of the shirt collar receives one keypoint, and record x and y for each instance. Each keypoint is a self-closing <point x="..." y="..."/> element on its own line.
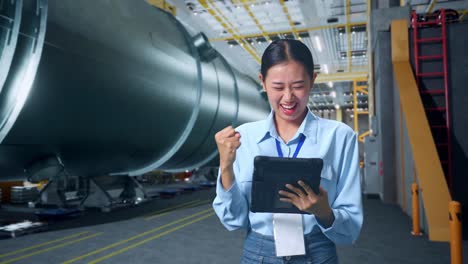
<point x="308" y="128"/>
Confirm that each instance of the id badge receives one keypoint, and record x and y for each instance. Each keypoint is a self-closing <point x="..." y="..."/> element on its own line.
<point x="289" y="235"/>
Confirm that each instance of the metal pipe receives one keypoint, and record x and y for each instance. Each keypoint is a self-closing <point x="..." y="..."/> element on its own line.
<point x="124" y="94"/>
<point x="10" y="17"/>
<point x="22" y="62"/>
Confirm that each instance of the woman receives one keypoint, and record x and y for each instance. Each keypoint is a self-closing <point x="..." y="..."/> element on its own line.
<point x="334" y="215"/>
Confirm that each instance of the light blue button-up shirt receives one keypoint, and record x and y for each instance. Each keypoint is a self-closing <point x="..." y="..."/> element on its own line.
<point x="334" y="142"/>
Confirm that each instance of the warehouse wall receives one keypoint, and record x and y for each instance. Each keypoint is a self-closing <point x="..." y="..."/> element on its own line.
<point x="383" y="89"/>
<point x="383" y="78"/>
<point x="458" y="79"/>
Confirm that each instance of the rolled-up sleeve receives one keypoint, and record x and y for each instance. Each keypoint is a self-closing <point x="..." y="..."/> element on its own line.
<point x="347" y="206"/>
<point x="231" y="205"/>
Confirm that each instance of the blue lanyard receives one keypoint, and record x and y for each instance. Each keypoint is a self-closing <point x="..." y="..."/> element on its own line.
<point x="298" y="148"/>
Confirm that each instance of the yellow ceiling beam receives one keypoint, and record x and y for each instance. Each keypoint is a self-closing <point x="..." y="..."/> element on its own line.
<point x="431" y="6"/>
<point x="291" y="23"/>
<point x="301" y="30"/>
<point x="218" y="15"/>
<point x="164" y="5"/>
<point x="361" y="67"/>
<point x="364" y="91"/>
<point x="340" y="77"/>
<point x="247" y="9"/>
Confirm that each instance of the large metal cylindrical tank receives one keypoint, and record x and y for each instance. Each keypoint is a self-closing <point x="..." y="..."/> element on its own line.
<point x="120" y="88"/>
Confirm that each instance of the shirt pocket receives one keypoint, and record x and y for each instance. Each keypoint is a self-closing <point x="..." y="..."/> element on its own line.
<point x="327" y="172"/>
<point x="328" y="179"/>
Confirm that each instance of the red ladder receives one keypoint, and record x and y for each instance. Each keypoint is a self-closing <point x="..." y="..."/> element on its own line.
<point x="443" y="144"/>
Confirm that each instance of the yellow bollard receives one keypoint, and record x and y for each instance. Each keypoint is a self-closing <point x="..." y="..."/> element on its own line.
<point x="455" y="232"/>
<point x="416" y="229"/>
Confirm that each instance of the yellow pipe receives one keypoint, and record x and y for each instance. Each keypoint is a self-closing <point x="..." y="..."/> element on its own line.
<point x="291" y="23"/>
<point x="356" y="117"/>
<point x="455" y="233"/>
<point x="245" y="44"/>
<point x="363" y="135"/>
<point x="301" y="30"/>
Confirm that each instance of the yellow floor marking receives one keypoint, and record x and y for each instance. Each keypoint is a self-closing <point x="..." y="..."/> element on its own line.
<point x="169" y="209"/>
<point x="134" y="237"/>
<point x="193" y="204"/>
<point x="43" y="244"/>
<point x="149" y="239"/>
<point x="49" y="249"/>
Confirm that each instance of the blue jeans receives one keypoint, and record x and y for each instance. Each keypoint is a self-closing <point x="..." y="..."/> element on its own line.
<point x="261" y="249"/>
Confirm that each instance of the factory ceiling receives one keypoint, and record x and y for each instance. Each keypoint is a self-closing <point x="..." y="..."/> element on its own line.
<point x="334" y="30"/>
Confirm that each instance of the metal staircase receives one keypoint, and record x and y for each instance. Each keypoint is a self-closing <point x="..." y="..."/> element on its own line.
<point x="431" y="72"/>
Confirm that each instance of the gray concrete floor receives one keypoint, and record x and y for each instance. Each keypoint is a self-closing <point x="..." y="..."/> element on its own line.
<point x="162" y="231"/>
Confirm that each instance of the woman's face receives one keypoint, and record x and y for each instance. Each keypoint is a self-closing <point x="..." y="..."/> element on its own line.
<point x="287" y="86"/>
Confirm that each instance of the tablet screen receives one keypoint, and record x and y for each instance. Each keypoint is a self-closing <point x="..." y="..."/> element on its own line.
<point x="271" y="174"/>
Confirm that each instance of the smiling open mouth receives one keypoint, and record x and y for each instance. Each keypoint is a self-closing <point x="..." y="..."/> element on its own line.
<point x="288" y="109"/>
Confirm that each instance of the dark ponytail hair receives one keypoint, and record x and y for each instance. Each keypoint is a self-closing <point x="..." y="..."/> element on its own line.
<point x="284" y="50"/>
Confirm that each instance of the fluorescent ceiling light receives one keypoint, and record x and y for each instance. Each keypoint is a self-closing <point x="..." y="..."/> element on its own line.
<point x="318" y="44"/>
<point x="330" y="84"/>
<point x="325" y="68"/>
<point x="333" y="94"/>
